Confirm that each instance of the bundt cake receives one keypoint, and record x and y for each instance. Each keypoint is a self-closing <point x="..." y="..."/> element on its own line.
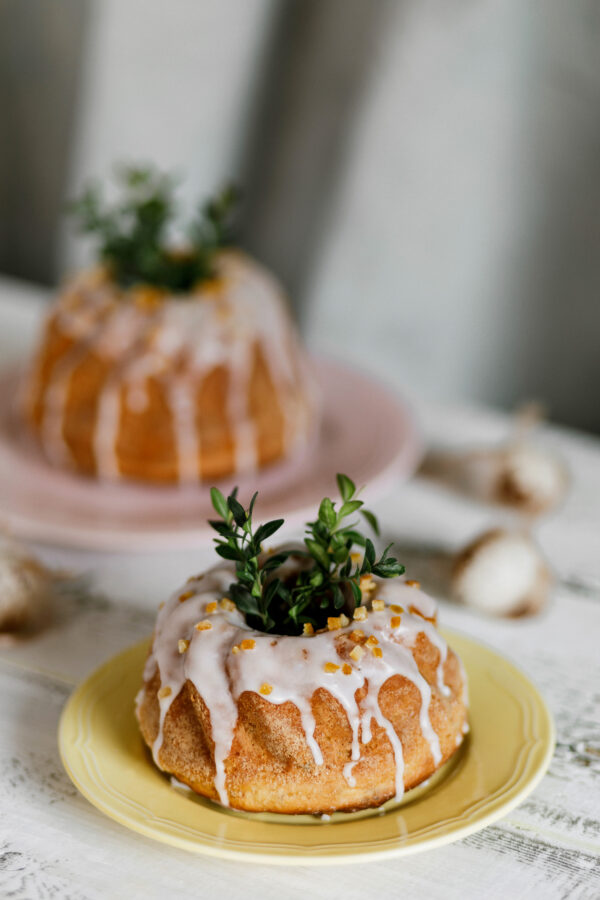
<point x="174" y="373"/>
<point x="342" y="716"/>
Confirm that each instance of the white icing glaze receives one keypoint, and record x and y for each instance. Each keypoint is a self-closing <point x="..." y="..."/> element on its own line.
<point x="107" y="430"/>
<point x="187" y="439"/>
<point x="179" y="342"/>
<point x="293" y="666"/>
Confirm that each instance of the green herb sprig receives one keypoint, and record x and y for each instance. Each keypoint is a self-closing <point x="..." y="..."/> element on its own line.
<point x="326" y="580"/>
<point x="133" y="233"/>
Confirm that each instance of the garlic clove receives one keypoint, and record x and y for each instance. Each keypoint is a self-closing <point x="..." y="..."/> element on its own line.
<point x="25" y="588"/>
<point x="501" y="573"/>
<point x="519" y="475"/>
<point x="530" y="479"/>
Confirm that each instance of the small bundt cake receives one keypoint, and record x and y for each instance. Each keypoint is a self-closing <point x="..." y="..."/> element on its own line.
<point x="343" y="717"/>
<point x="167" y="362"/>
<point x="136" y="383"/>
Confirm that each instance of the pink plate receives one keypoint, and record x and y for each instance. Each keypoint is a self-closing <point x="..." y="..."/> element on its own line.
<point x="366" y="432"/>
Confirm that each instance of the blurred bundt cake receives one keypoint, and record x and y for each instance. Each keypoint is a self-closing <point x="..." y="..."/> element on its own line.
<point x="168" y="365"/>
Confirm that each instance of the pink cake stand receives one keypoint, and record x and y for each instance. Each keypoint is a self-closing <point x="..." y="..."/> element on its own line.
<point x="367" y="432"/>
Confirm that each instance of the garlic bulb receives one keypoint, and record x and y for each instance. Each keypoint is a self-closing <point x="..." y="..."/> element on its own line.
<point x="530" y="479"/>
<point x="24" y="590"/>
<point x="501" y="573"/>
<point x="519" y="475"/>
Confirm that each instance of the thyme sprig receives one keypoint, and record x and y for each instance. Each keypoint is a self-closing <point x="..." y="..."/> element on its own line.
<point x="325" y="580"/>
<point x="133" y="233"/>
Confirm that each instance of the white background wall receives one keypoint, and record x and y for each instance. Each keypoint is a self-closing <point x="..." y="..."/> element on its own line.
<point x="472" y="186"/>
<point x="456" y="208"/>
<point x="169" y="83"/>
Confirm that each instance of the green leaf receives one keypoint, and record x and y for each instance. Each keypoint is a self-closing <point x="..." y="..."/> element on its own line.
<point x="338" y="597"/>
<point x="346" y="487"/>
<point x="371" y="519"/>
<point x="248" y="604"/>
<point x="316" y="578"/>
<point x="274" y="561"/>
<point x="337" y="541"/>
<point x="252" y="502"/>
<point x="327" y="513"/>
<point x="244" y="600"/>
<point x="317" y="551"/>
<point x="237" y="511"/>
<point x="271" y="591"/>
<point x="219" y="503"/>
<point x="222" y="527"/>
<point x="349" y="507"/>
<point x="265" y="531"/>
<point x="356" y="591"/>
<point x="340" y="555"/>
<point x="320" y="532"/>
<point x="296" y="610"/>
<point x="228" y="552"/>
<point x="390" y="569"/>
<point x="354" y="536"/>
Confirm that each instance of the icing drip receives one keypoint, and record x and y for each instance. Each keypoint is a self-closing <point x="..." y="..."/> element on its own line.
<point x="52" y="435"/>
<point x="244" y="432"/>
<point x="293" y="667"/>
<point x="180" y="342"/>
<point x="427" y="607"/>
<point x="121" y="339"/>
<point x="187" y="440"/>
<point x="52" y="429"/>
<point x="107" y="430"/>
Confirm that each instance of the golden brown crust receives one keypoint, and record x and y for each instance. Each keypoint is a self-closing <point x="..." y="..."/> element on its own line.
<point x="270" y="766"/>
<point x="146" y="440"/>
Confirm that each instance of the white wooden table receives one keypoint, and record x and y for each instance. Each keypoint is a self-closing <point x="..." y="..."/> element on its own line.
<point x="53" y="843"/>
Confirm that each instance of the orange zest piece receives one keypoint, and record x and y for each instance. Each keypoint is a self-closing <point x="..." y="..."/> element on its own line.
<point x="357" y="636"/>
<point x="227" y="604"/>
<point x="417" y="612"/>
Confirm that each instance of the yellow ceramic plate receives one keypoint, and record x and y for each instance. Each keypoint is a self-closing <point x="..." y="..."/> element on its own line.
<point x="506" y="754"/>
